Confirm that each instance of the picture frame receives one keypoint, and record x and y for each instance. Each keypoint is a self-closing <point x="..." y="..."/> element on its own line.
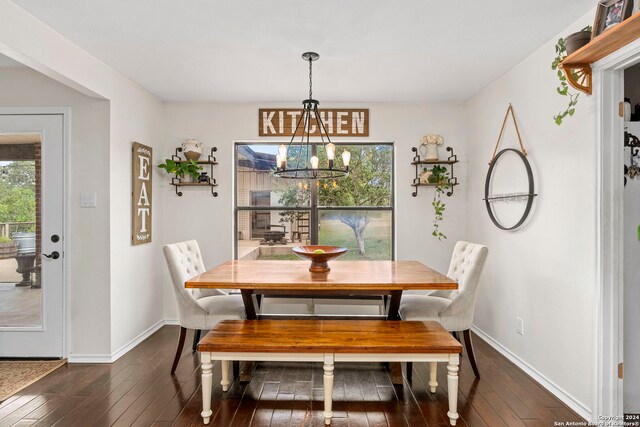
<point x="609" y="14"/>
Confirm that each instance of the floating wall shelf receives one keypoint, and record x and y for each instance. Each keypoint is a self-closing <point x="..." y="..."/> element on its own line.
<point x="577" y="66"/>
<point x="417" y="162"/>
<point x="211" y="182"/>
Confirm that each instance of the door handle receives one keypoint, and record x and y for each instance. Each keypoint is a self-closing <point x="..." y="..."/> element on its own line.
<point x="52" y="255"/>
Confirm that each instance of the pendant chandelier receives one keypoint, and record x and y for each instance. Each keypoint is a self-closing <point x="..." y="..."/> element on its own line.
<point x="304" y="162"/>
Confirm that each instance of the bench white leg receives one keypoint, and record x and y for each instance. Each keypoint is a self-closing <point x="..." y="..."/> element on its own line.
<point x="225" y="375"/>
<point x="207" y="382"/>
<point x="452" y="388"/>
<point x="328" y="387"/>
<point x="433" y="375"/>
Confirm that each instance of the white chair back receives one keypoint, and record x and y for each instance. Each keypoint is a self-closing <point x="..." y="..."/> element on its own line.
<point x="466" y="265"/>
<point x="185" y="261"/>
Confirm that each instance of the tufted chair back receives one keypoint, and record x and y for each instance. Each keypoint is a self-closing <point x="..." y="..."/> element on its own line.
<point x="466" y="265"/>
<point x="185" y="261"/>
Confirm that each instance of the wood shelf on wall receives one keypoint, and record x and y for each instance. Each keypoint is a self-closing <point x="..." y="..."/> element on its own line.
<point x="434" y="162"/>
<point x="579" y="62"/>
<point x="211" y="183"/>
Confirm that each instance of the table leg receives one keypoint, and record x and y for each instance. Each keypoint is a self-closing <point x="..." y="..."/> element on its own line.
<point x="249" y="305"/>
<point x="328" y="387"/>
<point x="393" y="314"/>
<point x="452" y="388"/>
<point x="207" y="382"/>
<point x="224" y="364"/>
<point x="433" y="376"/>
<point x="246" y="371"/>
<point x="394" y="305"/>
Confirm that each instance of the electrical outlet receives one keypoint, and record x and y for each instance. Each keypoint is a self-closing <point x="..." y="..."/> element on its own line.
<point x="520" y="327"/>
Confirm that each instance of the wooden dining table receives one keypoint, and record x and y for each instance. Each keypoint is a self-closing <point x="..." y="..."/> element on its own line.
<point x="346" y="279"/>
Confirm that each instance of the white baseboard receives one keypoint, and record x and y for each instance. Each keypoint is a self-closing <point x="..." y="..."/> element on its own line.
<point x="110" y="358"/>
<point x="89" y="358"/>
<point x="172" y="322"/>
<point x="558" y="392"/>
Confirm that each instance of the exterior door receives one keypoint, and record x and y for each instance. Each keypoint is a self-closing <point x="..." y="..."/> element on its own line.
<point x="32" y="298"/>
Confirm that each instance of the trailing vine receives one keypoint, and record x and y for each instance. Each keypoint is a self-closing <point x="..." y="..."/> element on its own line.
<point x="564" y="89"/>
<point x="440" y="177"/>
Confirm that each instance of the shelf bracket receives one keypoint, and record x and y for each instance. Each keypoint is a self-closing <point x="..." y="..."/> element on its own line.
<point x="579" y="77"/>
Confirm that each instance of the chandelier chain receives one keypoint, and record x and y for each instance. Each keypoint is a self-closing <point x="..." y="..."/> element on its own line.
<point x="310" y="78"/>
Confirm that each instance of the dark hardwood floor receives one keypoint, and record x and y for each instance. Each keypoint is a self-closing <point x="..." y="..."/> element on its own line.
<point x="137" y="390"/>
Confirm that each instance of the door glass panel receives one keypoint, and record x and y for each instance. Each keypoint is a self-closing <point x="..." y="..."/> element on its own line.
<point x="366" y="233"/>
<point x="20" y="284"/>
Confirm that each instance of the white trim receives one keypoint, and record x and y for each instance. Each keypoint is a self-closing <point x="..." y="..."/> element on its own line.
<point x="608" y="343"/>
<point x="579" y="407"/>
<point x="110" y="358"/>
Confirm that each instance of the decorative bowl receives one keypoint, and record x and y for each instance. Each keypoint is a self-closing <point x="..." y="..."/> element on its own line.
<point x="319" y="260"/>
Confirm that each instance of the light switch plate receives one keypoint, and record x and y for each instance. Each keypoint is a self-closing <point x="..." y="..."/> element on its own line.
<point x="88" y="200"/>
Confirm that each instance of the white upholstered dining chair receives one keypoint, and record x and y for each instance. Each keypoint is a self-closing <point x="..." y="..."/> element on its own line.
<point x="198" y="309"/>
<point x="453" y="309"/>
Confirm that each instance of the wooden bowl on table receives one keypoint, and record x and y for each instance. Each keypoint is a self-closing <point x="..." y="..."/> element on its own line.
<point x="319" y="256"/>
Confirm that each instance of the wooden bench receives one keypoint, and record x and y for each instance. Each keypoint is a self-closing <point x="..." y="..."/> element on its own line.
<point x="329" y="341"/>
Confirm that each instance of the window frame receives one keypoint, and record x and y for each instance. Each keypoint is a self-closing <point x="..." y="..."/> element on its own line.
<point x="314" y="217"/>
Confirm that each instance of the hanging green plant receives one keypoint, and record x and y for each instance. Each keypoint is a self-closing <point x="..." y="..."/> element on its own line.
<point x="183" y="168"/>
<point x="440" y="177"/>
<point x="563" y="89"/>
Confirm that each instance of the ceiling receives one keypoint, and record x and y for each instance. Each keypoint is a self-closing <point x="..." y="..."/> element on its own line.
<point x="370" y="50"/>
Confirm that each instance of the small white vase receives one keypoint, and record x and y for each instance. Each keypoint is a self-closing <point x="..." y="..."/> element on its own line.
<point x="192" y="149"/>
<point x="431" y="152"/>
<point x="186" y="178"/>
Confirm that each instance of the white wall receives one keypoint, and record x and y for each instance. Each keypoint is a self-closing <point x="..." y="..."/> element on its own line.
<point x="543" y="273"/>
<point x="89" y="232"/>
<point x="134" y="277"/>
<point x="631" y="283"/>
<point x="198" y="215"/>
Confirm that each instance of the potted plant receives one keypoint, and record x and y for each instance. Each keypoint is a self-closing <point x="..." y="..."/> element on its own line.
<point x="440" y="177"/>
<point x="566" y="47"/>
<point x="8" y="248"/>
<point x="186" y="171"/>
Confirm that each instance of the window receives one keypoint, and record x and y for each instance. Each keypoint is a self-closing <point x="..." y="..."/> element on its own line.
<point x="274" y="214"/>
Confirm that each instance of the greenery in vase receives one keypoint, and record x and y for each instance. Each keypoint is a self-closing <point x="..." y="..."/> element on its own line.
<point x="563" y="89"/>
<point x="182" y="168"/>
<point x="440" y="177"/>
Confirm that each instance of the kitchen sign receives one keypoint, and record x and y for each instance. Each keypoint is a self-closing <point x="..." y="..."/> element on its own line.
<point x="142" y="183"/>
<point x="337" y="122"/>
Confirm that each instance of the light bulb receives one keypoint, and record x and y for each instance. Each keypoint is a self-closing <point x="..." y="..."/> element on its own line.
<point x="346" y="157"/>
<point x="278" y="161"/>
<point x="331" y="151"/>
<point x="314" y="162"/>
